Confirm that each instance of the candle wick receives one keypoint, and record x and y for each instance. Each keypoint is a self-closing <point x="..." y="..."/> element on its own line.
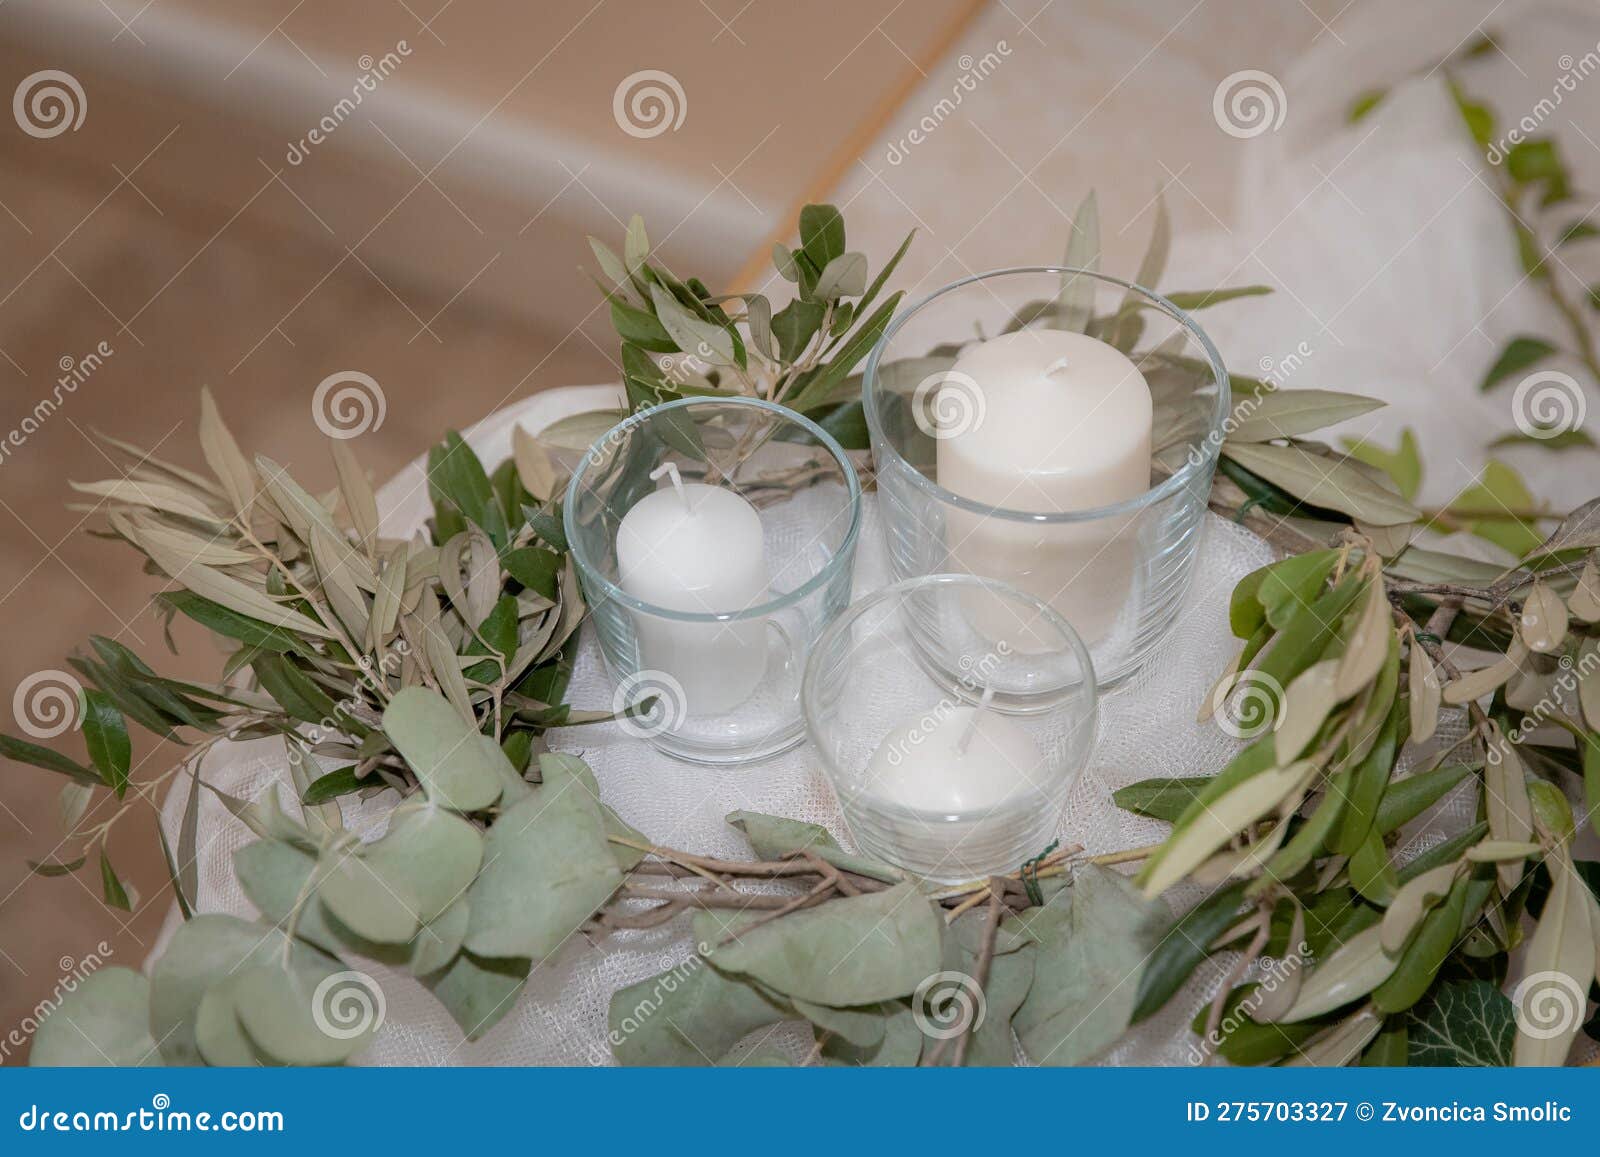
<point x="972" y="724"/>
<point x="670" y="469"/>
<point x="1056" y="367"/>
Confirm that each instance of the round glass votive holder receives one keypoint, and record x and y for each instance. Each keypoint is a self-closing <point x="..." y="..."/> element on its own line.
<point x="1117" y="571"/>
<point x="951" y="746"/>
<point x="706" y="682"/>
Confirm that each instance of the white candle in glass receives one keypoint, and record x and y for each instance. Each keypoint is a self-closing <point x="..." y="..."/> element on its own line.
<point x="697" y="548"/>
<point x="955" y="760"/>
<point x="1061" y="423"/>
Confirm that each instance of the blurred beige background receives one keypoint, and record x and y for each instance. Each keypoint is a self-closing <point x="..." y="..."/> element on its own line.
<point x="433" y="239"/>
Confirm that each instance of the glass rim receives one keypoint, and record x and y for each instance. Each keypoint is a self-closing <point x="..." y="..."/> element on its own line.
<point x="898" y="591"/>
<point x="839" y="557"/>
<point x="1211" y="441"/>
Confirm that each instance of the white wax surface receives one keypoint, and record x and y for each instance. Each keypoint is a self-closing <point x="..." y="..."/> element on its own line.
<point x="699" y="551"/>
<point x="1065" y="426"/>
<point x="919" y="765"/>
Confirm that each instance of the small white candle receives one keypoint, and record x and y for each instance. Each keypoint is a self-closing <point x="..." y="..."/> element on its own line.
<point x="697" y="548"/>
<point x="955" y="760"/>
<point x="1064" y="425"/>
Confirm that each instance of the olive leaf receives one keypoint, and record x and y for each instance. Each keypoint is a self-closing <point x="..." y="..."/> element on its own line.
<point x="1331" y="483"/>
<point x="1287" y="413"/>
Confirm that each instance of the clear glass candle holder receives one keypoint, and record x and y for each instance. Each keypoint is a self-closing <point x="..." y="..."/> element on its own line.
<point x="1117" y="571"/>
<point x="711" y="673"/>
<point x="950" y="745"/>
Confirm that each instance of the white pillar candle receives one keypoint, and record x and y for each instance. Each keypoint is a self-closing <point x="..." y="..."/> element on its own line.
<point x="697" y="548"/>
<point x="1061" y="423"/>
<point x="955" y="760"/>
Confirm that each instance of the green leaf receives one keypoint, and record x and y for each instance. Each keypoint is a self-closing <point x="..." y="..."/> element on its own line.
<point x="1327" y="482"/>
<point x="1094" y="940"/>
<point x="1287" y="413"/>
<point x="1463" y="1023"/>
<point x="821" y="234"/>
<point x="1183" y="947"/>
<point x="477" y="992"/>
<point x="1365" y="103"/>
<point x="534" y="567"/>
<point x="1249" y="1042"/>
<point x="795" y="325"/>
<point x="1160" y="799"/>
<point x="1579" y="230"/>
<point x="1520" y="353"/>
<point x="103" y="1021"/>
<point x="105" y="733"/>
<point x="115" y="894"/>
<point x="690" y="1014"/>
<point x="274" y="876"/>
<point x="1075" y="300"/>
<point x="455" y="475"/>
<point x="231" y="625"/>
<point x="849" y="951"/>
<point x="776" y="838"/>
<point x="547" y="867"/>
<point x="703" y="339"/>
<point x="458" y="767"/>
<point x="1403" y="464"/>
<point x="844" y="276"/>
<point x="1295" y="583"/>
<point x="338" y="782"/>
<point x="1534" y="160"/>
<point x="1405" y="799"/>
<point x="1203" y="298"/>
<point x="1500" y="488"/>
<point x="284" y="1012"/>
<point x="24" y="752"/>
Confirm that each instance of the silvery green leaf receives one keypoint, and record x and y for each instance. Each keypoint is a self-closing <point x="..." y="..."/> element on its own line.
<point x="286" y="1013"/>
<point x="844" y="276"/>
<point x="1306" y="704"/>
<point x="219" y="1033"/>
<point x="1585" y="598"/>
<point x="1093" y="942"/>
<point x="1333" y="483"/>
<point x="160" y="496"/>
<point x="708" y="342"/>
<point x="202" y="952"/>
<point x="434" y="854"/>
<point x="1431" y="566"/>
<point x="364" y="900"/>
<point x="758" y="316"/>
<point x="233" y="594"/>
<point x="1505" y="801"/>
<point x="1466" y="1023"/>
<point x="273" y="877"/>
<point x="615" y="273"/>
<point x="1010" y="977"/>
<point x="1356" y="967"/>
<point x="1076" y="298"/>
<point x="1340" y="1044"/>
<point x="1476" y="684"/>
<point x="332" y="556"/>
<point x="849" y="951"/>
<point x="862" y="1027"/>
<point x="688" y="1015"/>
<point x="1192" y="843"/>
<point x="1493" y="851"/>
<point x="627" y="858"/>
<point x="478" y="992"/>
<point x="208" y="550"/>
<point x="71" y="803"/>
<point x="901" y="1045"/>
<point x="774" y="837"/>
<point x="104" y="1020"/>
<point x="1411" y="903"/>
<point x="577" y="432"/>
<point x="547" y="868"/>
<point x="1557" y="970"/>
<point x="387" y="600"/>
<point x="459" y="767"/>
<point x="299" y="509"/>
<point x="223" y="455"/>
<point x="534" y="467"/>
<point x="1368" y="646"/>
<point x="635" y="245"/>
<point x="1543" y="623"/>
<point x="1154" y="262"/>
<point x="1288" y="413"/>
<point x="1588" y="667"/>
<point x="438" y="942"/>
<point x="783" y="261"/>
<point x="1423" y="681"/>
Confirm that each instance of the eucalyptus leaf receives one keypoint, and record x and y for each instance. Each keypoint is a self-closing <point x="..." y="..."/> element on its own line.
<point x="104" y="1020"/>
<point x="459" y="768"/>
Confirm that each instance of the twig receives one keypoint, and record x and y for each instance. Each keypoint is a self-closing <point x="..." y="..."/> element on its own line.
<point x="991" y="933"/>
